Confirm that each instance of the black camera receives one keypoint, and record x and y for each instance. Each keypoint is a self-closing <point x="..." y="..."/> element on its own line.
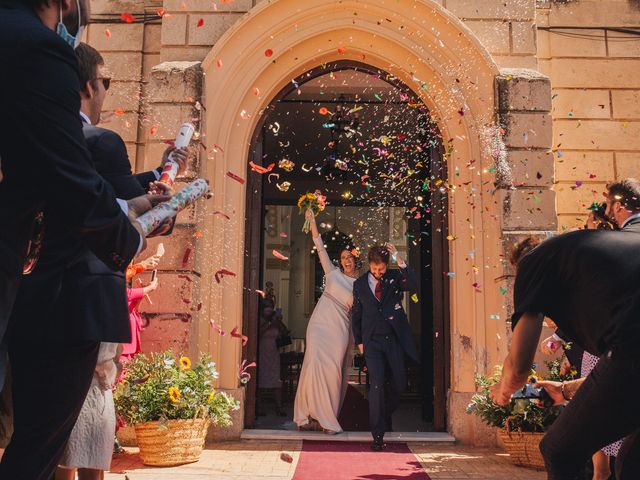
<point x="528" y="392"/>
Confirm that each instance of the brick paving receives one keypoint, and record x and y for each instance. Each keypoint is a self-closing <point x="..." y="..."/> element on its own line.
<point x="249" y="459"/>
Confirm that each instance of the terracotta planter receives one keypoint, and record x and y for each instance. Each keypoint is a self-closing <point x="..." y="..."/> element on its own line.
<point x="175" y="442"/>
<point x="523" y="448"/>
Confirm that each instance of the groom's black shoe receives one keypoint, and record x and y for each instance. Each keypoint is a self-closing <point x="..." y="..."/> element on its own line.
<point x="377" y="445"/>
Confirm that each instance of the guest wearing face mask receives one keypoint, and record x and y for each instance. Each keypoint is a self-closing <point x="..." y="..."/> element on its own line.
<point x="46" y="168"/>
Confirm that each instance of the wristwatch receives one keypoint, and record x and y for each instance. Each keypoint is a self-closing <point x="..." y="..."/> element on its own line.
<point x="564" y="394"/>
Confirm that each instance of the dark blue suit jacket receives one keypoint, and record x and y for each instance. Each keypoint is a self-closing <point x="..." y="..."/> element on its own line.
<point x="45" y="160"/>
<point x="86" y="298"/>
<point x="367" y="310"/>
<point x="109" y="155"/>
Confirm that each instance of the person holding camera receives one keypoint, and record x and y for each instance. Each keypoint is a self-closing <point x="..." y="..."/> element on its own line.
<point x="553" y="280"/>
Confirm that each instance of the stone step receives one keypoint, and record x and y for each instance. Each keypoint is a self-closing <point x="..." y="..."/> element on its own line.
<point x="409" y="437"/>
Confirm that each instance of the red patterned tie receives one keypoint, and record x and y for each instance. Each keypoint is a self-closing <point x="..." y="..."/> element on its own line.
<point x="379" y="291"/>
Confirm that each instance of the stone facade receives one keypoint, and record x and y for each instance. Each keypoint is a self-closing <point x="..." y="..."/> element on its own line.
<point x="594" y="74"/>
<point x="200" y="60"/>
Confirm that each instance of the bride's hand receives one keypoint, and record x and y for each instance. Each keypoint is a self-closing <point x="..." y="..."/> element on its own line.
<point x="309" y="214"/>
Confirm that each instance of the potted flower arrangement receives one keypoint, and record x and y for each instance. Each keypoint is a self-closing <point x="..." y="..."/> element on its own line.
<point x="522" y="424"/>
<point x="171" y="404"/>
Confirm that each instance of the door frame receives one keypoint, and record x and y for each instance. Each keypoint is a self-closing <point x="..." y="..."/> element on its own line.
<point x="254" y="233"/>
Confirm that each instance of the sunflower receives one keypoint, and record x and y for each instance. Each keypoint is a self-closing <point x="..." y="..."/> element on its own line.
<point x="185" y="363"/>
<point x="174" y="394"/>
<point x="211" y="396"/>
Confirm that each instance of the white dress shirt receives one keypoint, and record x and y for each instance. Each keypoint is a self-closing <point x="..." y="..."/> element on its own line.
<point x="635" y="215"/>
<point x="84" y="117"/>
<point x="373" y="281"/>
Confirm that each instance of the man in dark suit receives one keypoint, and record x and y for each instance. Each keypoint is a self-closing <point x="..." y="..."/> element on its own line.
<point x="44" y="157"/>
<point x="46" y="167"/>
<point x="90" y="304"/>
<point x="382" y="332"/>
<point x="108" y="151"/>
<point x="588" y="283"/>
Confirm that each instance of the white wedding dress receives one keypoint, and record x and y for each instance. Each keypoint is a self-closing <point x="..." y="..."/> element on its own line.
<point x="324" y="376"/>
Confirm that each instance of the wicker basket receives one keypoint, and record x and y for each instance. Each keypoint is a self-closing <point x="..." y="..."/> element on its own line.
<point x="175" y="443"/>
<point x="524" y="448"/>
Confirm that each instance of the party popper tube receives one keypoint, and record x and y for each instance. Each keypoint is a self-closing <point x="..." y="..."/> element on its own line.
<point x="169" y="173"/>
<point x="170" y="169"/>
<point x="165" y="210"/>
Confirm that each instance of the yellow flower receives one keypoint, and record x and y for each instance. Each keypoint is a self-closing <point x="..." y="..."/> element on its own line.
<point x="174" y="394"/>
<point x="211" y="395"/>
<point x="534" y="376"/>
<point x="185" y="363"/>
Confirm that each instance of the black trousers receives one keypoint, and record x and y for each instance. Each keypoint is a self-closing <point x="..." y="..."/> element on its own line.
<point x="50" y="381"/>
<point x="605" y="409"/>
<point x="387" y="380"/>
<point x="8" y="291"/>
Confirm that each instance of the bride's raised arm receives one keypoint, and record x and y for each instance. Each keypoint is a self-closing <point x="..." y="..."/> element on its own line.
<point x="325" y="261"/>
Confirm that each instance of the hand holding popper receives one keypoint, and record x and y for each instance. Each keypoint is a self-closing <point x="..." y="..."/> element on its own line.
<point x="154" y="273"/>
<point x="171" y="167"/>
<point x="152" y="219"/>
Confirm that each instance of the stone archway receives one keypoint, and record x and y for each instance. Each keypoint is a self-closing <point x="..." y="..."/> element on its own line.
<point x="424" y="46"/>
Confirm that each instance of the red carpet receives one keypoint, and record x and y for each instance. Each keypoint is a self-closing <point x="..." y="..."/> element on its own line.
<point x="356" y="461"/>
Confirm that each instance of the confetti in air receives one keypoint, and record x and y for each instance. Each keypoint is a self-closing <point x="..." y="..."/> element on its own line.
<point x="127" y="18"/>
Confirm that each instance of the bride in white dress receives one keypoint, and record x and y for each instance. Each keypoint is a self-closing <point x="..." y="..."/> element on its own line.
<point x="324" y="376"/>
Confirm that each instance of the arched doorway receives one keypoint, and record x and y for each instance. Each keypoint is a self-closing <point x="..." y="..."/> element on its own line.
<point x="422" y="45"/>
<point x="383" y="175"/>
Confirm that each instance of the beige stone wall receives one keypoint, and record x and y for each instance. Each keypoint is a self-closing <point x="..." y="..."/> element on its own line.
<point x="596" y="89"/>
<point x="129" y="50"/>
<point x="595" y="81"/>
<point x="506" y="29"/>
<point x="191" y="28"/>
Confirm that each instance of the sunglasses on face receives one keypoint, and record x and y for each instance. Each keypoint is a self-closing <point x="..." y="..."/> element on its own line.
<point x="106" y="82"/>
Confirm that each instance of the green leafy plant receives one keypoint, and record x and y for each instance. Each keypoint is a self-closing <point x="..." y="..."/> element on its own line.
<point x="556" y="373"/>
<point x="161" y="387"/>
<point x="518" y="416"/>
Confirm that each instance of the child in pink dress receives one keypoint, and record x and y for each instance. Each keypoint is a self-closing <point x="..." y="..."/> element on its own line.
<point x="134" y="297"/>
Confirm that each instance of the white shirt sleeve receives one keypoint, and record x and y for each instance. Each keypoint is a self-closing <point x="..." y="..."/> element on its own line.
<point x="372" y="283"/>
<point x="124" y="206"/>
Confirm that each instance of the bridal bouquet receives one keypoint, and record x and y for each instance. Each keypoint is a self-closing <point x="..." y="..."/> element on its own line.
<point x="315" y="202"/>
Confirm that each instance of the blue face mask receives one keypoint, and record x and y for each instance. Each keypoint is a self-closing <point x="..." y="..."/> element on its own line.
<point x="62" y="31"/>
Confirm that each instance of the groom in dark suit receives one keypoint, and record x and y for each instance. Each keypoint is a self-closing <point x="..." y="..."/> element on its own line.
<point x="382" y="333"/>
